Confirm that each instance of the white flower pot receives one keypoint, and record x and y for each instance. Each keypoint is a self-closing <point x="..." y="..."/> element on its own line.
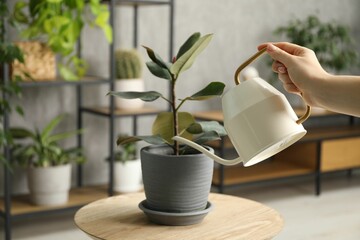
<point x="126" y="85"/>
<point x="49" y="185"/>
<point x="127" y="176"/>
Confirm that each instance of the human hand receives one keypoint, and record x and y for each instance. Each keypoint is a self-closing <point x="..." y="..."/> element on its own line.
<point x="298" y="68"/>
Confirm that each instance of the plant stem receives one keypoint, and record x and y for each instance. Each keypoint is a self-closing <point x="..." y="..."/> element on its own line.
<point x="175" y="116"/>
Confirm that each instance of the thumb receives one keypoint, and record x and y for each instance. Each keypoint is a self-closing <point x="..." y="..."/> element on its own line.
<point x="278" y="54"/>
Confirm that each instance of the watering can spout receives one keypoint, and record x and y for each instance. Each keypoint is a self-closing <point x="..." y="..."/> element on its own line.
<point x="208" y="153"/>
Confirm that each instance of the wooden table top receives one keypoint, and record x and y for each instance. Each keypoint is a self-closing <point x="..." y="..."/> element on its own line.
<point x="232" y="218"/>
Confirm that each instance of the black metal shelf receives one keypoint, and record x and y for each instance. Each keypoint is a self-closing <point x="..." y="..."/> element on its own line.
<point x="139" y="2"/>
<point x="88" y="80"/>
<point x="106" y="111"/>
<point x="14" y="207"/>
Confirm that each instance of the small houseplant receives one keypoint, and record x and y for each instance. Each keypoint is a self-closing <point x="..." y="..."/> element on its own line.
<point x="48" y="164"/>
<point x="176" y="178"/>
<point x="8" y="54"/>
<point x="128" y="66"/>
<point x="127" y="169"/>
<point x="59" y="24"/>
<point x="332" y="42"/>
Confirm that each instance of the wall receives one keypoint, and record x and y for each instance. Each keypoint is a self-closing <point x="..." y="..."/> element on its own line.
<point x="238" y="27"/>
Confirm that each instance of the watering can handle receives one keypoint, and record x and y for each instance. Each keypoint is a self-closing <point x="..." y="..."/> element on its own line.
<point x="250" y="60"/>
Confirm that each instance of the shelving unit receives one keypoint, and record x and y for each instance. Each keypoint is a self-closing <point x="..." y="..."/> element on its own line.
<point x="16" y="207"/>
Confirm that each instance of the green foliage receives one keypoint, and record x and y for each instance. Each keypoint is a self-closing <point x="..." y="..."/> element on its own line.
<point x="331" y="42"/>
<point x="8" y="53"/>
<point x="41" y="148"/>
<point x="127" y="151"/>
<point x="128" y="64"/>
<point x="59" y="23"/>
<point x="175" y="123"/>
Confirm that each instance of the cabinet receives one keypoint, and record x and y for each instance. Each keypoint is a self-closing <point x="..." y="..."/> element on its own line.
<point x="17" y="207"/>
<point x="325" y="148"/>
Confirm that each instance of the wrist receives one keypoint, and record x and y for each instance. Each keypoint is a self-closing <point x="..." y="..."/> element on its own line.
<point x="319" y="88"/>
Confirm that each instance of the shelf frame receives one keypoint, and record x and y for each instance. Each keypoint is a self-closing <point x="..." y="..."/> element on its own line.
<point x="78" y="197"/>
<point x="9" y="211"/>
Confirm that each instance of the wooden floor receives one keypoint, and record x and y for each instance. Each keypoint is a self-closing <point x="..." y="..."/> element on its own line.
<point x="332" y="216"/>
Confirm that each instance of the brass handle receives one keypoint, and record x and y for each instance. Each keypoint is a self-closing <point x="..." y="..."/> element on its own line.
<point x="250" y="60"/>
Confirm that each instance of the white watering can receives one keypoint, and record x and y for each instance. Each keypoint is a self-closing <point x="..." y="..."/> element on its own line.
<point x="258" y="119"/>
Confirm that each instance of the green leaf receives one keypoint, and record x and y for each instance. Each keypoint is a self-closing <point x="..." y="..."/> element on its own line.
<point x="187" y="59"/>
<point x="18" y="14"/>
<point x="211" y="90"/>
<point x="61" y="136"/>
<point x="164" y="125"/>
<point x="207" y="126"/>
<point x="108" y="33"/>
<point x="207" y="137"/>
<point x="188" y="44"/>
<point x="155" y="57"/>
<point x="67" y="73"/>
<point x="159" y="71"/>
<point x="156" y="139"/>
<point x="145" y="96"/>
<point x="49" y="128"/>
<point x="20" y="133"/>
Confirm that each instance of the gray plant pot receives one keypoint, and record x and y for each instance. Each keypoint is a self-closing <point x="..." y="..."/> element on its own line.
<point x="175" y="183"/>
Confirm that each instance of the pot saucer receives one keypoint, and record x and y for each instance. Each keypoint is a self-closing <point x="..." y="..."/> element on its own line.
<point x="175" y="219"/>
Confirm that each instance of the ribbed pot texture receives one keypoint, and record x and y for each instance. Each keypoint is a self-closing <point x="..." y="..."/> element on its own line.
<point x="175" y="183"/>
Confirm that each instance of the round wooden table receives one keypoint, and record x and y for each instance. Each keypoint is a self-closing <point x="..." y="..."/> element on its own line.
<point x="237" y="218"/>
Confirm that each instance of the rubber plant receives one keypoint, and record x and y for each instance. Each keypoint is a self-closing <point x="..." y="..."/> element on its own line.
<point x="174" y="122"/>
<point x="59" y="23"/>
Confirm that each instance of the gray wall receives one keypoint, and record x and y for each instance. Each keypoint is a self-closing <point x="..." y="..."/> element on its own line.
<point x="238" y="27"/>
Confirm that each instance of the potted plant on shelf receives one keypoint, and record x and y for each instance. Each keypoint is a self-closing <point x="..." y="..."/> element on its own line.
<point x="48" y="164"/>
<point x="58" y="26"/>
<point x="8" y="54"/>
<point x="127" y="169"/>
<point x="331" y="41"/>
<point x="128" y="65"/>
<point x="177" y="179"/>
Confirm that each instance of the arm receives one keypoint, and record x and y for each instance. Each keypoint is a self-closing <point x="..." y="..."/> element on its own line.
<point x="300" y="71"/>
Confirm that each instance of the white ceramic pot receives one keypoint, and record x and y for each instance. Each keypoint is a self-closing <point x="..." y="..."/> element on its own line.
<point x="126" y="85"/>
<point x="127" y="176"/>
<point x="49" y="185"/>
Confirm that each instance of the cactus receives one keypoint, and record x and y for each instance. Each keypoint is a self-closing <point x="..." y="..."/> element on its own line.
<point x="128" y="64"/>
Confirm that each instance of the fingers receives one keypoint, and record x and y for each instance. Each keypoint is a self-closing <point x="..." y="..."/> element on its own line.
<point x="290" y="48"/>
<point x="279" y="54"/>
<point x="291" y="88"/>
<point x="278" y="67"/>
<point x="288" y="85"/>
<point x="283" y="54"/>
